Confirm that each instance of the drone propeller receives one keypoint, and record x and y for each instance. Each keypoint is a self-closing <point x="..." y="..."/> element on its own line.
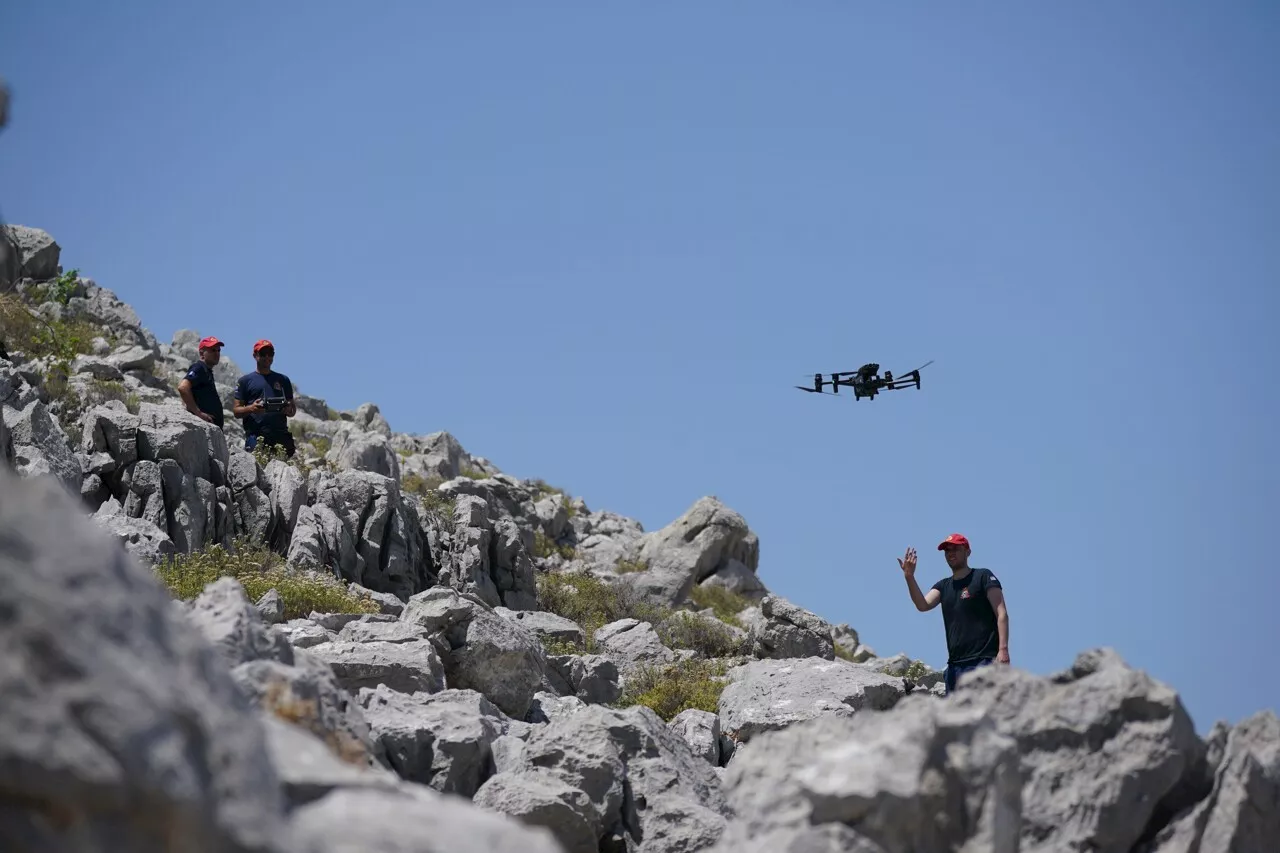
<point x="921" y="367"/>
<point x="813" y="390"/>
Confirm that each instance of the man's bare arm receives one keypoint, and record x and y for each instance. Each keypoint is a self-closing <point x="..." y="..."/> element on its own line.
<point x="995" y="595"/>
<point x="924" y="601"/>
<point x="239" y="409"/>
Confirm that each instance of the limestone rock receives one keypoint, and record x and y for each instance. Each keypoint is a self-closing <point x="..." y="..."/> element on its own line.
<point x="707" y="538"/>
<point x="119" y="721"/>
<point x="772" y="694"/>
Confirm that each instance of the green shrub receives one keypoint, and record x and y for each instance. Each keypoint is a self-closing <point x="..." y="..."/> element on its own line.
<point x="545" y="546"/>
<point x="60" y="290"/>
<point x="560" y="647"/>
<point x="626" y="567"/>
<point x="726" y="604"/>
<point x="673" y="688"/>
<point x="918" y="670"/>
<point x="259" y="569"/>
<point x="25" y="330"/>
<point x="707" y="638"/>
<point x="74" y="402"/>
<point x="861" y="656"/>
<point x="592" y="603"/>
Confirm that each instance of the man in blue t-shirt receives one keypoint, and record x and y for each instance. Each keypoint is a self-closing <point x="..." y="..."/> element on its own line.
<point x="974" y="614"/>
<point x="197" y="389"/>
<point x="264" y="401"/>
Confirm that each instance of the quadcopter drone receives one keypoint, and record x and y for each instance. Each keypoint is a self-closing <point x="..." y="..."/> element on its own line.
<point x="866" y="381"/>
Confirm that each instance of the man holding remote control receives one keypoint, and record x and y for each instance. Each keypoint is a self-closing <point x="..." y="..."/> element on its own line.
<point x="264" y="402"/>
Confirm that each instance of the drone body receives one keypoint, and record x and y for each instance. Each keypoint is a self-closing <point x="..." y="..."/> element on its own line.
<point x="866" y="381"/>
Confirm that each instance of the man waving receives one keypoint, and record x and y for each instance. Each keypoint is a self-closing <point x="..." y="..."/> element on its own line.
<point x="973" y="609"/>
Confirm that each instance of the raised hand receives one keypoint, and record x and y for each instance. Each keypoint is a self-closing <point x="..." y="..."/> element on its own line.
<point x="908" y="564"/>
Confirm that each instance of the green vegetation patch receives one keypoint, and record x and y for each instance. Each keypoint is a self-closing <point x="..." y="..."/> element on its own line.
<point x="668" y="690"/>
<point x="726" y="604"/>
<point x="27" y="331"/>
<point x="592" y="603"/>
<point x="260" y="569"/>
<point x="706" y="637"/>
<point x="544" y="546"/>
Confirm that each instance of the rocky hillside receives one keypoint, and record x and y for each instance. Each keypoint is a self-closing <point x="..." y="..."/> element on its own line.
<point x="388" y="644"/>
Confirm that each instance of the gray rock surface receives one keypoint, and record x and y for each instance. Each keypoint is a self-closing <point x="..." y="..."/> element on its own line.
<point x="928" y="777"/>
<point x="770" y="694"/>
<point x="119" y="721"/>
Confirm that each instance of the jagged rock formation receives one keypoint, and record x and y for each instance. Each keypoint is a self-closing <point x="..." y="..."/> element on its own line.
<point x="523" y="673"/>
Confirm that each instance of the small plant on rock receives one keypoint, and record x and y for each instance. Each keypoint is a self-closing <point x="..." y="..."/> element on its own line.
<point x="26" y="330"/>
<point x="592" y="603"/>
<point x="626" y="566"/>
<point x="917" y="670"/>
<point x="726" y="603"/>
<point x="544" y="546"/>
<point x="258" y="569"/>
<point x="668" y="690"/>
<point x="706" y="637"/>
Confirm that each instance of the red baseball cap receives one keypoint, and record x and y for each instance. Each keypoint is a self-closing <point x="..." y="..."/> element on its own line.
<point x="954" y="539"/>
<point x="211" y="341"/>
<point x="262" y="343"/>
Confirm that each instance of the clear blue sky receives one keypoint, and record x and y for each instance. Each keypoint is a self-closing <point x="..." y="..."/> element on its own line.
<point x="600" y="246"/>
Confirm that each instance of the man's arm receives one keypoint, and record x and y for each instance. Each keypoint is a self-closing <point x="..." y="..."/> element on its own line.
<point x="995" y="595"/>
<point x="238" y="407"/>
<point x="189" y="397"/>
<point x="290" y="408"/>
<point x="924" y="601"/>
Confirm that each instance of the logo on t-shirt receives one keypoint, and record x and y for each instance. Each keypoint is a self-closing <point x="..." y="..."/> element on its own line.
<point x="964" y="593"/>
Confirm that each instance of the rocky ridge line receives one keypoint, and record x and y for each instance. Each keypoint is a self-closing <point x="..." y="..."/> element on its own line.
<point x="461" y="708"/>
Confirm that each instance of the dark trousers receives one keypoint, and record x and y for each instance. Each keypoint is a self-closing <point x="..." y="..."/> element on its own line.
<point x="954" y="671"/>
<point x="271" y="439"/>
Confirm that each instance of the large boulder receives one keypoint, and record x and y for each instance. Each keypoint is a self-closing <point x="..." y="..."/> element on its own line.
<point x="481" y="651"/>
<point x="925" y="777"/>
<point x="39" y="447"/>
<point x="1101" y="733"/>
<point x="602" y="778"/>
<point x="37" y="253"/>
<point x="765" y="695"/>
<point x="121" y="727"/>
<point x="709" y="538"/>
<point x="1241" y="812"/>
<point x="788" y="631"/>
<point x="411" y="819"/>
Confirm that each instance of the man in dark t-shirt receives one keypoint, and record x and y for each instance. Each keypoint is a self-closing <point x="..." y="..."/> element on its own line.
<point x="264" y="401"/>
<point x="973" y="610"/>
<point x="197" y="389"/>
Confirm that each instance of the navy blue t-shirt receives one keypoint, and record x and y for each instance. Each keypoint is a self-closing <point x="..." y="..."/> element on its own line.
<point x="204" y="391"/>
<point x="968" y="617"/>
<point x="255" y="385"/>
